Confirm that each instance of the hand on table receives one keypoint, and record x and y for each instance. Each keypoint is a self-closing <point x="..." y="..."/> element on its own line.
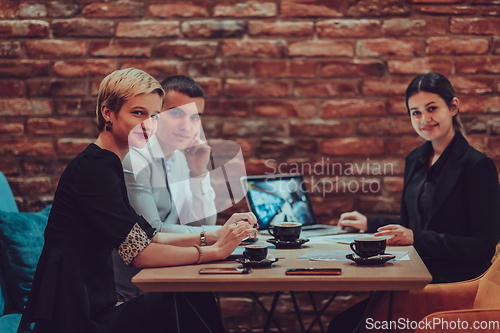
<point x="353" y="219"/>
<point x="197" y="156"/>
<point x="238" y="227"/>
<point x="401" y="235"/>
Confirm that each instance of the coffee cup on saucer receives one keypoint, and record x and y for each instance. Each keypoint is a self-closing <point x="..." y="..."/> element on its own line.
<point x="255" y="252"/>
<point x="368" y="246"/>
<point x="286" y="231"/>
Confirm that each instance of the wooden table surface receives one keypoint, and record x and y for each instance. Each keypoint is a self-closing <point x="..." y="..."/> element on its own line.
<point x="395" y="275"/>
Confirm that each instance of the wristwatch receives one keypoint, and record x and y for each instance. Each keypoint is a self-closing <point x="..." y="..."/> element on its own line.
<point x="203" y="239"/>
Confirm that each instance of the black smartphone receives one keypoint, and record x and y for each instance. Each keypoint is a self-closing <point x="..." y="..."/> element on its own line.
<point x="225" y="270"/>
<point x="313" y="271"/>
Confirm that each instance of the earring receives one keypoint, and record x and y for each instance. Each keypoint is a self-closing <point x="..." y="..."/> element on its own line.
<point x="108" y="126"/>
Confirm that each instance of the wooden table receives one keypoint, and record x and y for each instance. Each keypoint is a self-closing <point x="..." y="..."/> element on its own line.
<point x="395" y="275"/>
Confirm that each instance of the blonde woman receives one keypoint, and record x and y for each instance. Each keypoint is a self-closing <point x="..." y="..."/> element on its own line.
<point x="73" y="289"/>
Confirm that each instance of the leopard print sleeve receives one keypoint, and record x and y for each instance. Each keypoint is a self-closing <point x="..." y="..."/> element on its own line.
<point x="135" y="242"/>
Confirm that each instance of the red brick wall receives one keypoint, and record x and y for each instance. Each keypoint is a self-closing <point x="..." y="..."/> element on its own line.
<point x="292" y="80"/>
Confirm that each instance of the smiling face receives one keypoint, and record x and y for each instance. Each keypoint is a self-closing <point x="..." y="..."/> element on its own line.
<point x="179" y="122"/>
<point x="431" y="117"/>
<point x="136" y="120"/>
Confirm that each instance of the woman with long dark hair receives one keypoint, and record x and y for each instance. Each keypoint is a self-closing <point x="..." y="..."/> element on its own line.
<point x="73" y="289"/>
<point x="450" y="206"/>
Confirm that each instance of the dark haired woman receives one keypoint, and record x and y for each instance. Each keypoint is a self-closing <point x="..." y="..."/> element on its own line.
<point x="73" y="289"/>
<point x="450" y="206"/>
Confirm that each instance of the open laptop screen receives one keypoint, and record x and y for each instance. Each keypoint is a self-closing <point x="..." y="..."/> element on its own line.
<point x="279" y="198"/>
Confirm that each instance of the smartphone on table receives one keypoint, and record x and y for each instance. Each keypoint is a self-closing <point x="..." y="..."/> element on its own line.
<point x="313" y="271"/>
<point x="225" y="270"/>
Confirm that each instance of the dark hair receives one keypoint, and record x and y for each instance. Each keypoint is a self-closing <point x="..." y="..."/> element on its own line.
<point x="184" y="85"/>
<point x="437" y="84"/>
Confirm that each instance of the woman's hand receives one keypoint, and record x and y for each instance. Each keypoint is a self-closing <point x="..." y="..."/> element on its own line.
<point x="402" y="235"/>
<point x="353" y="219"/>
<point x="238" y="227"/>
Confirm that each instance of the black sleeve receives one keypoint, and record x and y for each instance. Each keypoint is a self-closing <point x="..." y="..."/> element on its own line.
<point x="98" y="187"/>
<point x="482" y="200"/>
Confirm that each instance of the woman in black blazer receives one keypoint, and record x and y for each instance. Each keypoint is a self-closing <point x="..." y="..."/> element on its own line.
<point x="450" y="206"/>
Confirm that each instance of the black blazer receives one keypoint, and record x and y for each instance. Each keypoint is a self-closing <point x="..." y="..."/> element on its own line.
<point x="463" y="229"/>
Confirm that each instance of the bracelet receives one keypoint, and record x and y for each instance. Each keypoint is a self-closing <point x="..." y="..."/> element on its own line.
<point x="200" y="253"/>
<point x="203" y="239"/>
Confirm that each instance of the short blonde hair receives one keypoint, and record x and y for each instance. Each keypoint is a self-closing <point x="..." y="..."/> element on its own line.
<point x="121" y="86"/>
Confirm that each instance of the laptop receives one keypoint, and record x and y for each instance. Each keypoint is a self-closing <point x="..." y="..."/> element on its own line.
<point x="281" y="198"/>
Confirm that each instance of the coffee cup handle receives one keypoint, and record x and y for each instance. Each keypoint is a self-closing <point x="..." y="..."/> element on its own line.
<point x="270" y="231"/>
<point x="353" y="248"/>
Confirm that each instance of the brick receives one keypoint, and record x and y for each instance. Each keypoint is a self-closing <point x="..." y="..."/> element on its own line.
<point x="24" y="68"/>
<point x="458" y="46"/>
<point x="246" y="9"/>
<point x="402" y="146"/>
<point x="472" y="104"/>
<point x="352" y="68"/>
<point x="180" y="9"/>
<point x="75" y="107"/>
<point x="320" y="127"/>
<point x="10" y="49"/>
<point x="484" y="2"/>
<point x="477" y="65"/>
<point x="496" y="45"/>
<point x="475" y="26"/>
<point x="285" y="29"/>
<point x="226" y="108"/>
<point x="280" y="148"/>
<point x="348" y="28"/>
<point x="331" y="206"/>
<point x="148" y="29"/>
<point x="249" y="88"/>
<point x="29" y="186"/>
<point x="284" y="108"/>
<point x="321" y="48"/>
<point x="10" y="167"/>
<point x="387" y="46"/>
<point x="8" y="9"/>
<point x="472" y="86"/>
<point x="120" y="48"/>
<point x="24" y="28"/>
<point x="495" y="126"/>
<point x="72" y="146"/>
<point x="378" y="8"/>
<point x="11" y="88"/>
<point x="493" y="144"/>
<point x="438" y="1"/>
<point x="24" y="107"/>
<point x="285" y="68"/>
<point x="42" y="166"/>
<point x="10" y="128"/>
<point x="474" y="125"/>
<point x="323" y="89"/>
<point x="397" y="105"/>
<point x="327" y="9"/>
<point x="385" y="126"/>
<point x="254" y="48"/>
<point x="255" y="166"/>
<point x="419" y="65"/>
<point x="352" y="146"/>
<point x="56" y="87"/>
<point x="55" y="48"/>
<point x="58" y="9"/>
<point x="84" y="67"/>
<point x="386" y="86"/>
<point x="211" y="86"/>
<point x="26" y="147"/>
<point x="213" y="29"/>
<point x="79" y="27"/>
<point x="114" y="9"/>
<point x="44" y="126"/>
<point x="379" y="205"/>
<point x="186" y="50"/>
<point x="414" y="27"/>
<point x="446" y="10"/>
<point x="490" y="11"/>
<point x="227" y="68"/>
<point x="245" y="128"/>
<point x="28" y="10"/>
<point x="157" y="68"/>
<point x="352" y="108"/>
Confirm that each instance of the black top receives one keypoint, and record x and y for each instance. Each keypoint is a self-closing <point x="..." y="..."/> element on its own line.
<point x="73" y="287"/>
<point x="458" y="238"/>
